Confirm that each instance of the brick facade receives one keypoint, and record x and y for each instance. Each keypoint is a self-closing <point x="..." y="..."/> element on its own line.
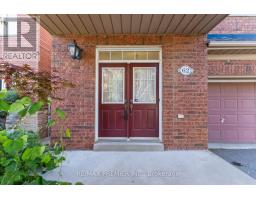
<point x="236" y="25"/>
<point x="184" y="95"/>
<point x="232" y="68"/>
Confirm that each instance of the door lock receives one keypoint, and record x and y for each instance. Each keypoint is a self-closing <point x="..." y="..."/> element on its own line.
<point x="222" y="120"/>
<point x="126" y="110"/>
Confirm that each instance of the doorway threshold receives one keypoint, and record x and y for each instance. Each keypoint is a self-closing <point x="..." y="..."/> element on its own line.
<point x="131" y="144"/>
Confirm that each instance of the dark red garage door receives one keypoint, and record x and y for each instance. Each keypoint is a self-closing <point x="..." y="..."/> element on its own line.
<point x="232" y="112"/>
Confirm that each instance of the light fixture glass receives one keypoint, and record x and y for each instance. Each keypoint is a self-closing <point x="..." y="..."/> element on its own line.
<point x="74" y="50"/>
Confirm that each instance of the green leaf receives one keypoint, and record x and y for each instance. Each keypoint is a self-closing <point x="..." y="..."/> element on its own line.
<point x="60" y="113"/>
<point x="24" y="138"/>
<point x="23" y="112"/>
<point x="3" y="93"/>
<point x="13" y="146"/>
<point x="3" y="138"/>
<point x="26" y="101"/>
<point x="33" y="153"/>
<point x="46" y="158"/>
<point x="51" y="123"/>
<point x="26" y="154"/>
<point x="37" y="152"/>
<point x="35" y="107"/>
<point x="68" y="133"/>
<point x="16" y="107"/>
<point x="4" y="106"/>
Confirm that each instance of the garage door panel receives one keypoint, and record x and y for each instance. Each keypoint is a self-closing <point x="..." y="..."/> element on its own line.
<point x="246" y="135"/>
<point x="245" y="91"/>
<point x="214" y="133"/>
<point x="232" y="112"/>
<point x="245" y="120"/>
<point x="228" y="106"/>
<point x="229" y="133"/>
<point x="214" y="119"/>
<point x="214" y="104"/>
<point x="215" y="91"/>
<point x="246" y="105"/>
<point x="229" y="119"/>
<point x="228" y="90"/>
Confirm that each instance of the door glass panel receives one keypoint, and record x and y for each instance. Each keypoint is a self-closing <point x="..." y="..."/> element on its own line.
<point x="144" y="85"/>
<point x="113" y="85"/>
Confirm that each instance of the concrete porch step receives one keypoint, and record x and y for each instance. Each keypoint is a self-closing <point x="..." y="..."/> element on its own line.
<point x="128" y="146"/>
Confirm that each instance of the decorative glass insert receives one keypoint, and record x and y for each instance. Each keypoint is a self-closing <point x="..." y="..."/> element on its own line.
<point x="116" y="55"/>
<point x="113" y="85"/>
<point x="144" y="85"/>
<point x="141" y="55"/>
<point x="104" y="55"/>
<point x="153" y="55"/>
<point x="129" y="55"/>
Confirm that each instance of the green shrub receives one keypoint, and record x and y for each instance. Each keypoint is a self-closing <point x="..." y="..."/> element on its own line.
<point x="10" y="97"/>
<point x="23" y="158"/>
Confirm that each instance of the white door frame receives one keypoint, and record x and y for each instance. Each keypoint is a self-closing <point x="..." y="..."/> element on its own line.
<point x="127" y="48"/>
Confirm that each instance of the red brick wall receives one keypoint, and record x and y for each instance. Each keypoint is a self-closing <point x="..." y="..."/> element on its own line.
<point x="236" y="24"/>
<point x="232" y="68"/>
<point x="45" y="50"/>
<point x="185" y="95"/>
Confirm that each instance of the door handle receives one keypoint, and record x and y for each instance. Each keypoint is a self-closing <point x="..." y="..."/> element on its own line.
<point x="222" y="120"/>
<point x="131" y="106"/>
<point x="126" y="110"/>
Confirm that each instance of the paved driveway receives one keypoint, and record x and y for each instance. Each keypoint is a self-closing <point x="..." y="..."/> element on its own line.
<point x="244" y="159"/>
<point x="168" y="167"/>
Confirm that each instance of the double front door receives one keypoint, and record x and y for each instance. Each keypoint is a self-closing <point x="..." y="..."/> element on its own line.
<point x="128" y="100"/>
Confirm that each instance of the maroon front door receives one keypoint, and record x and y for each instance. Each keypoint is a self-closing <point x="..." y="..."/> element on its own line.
<point x="128" y="100"/>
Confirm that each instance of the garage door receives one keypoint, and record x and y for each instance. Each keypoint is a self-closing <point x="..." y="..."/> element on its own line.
<point x="232" y="112"/>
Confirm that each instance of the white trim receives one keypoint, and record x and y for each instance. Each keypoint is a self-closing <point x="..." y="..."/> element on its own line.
<point x="127" y="48"/>
<point x="3" y="85"/>
<point x="128" y="61"/>
<point x="231" y="57"/>
<point x="231" y="79"/>
<point x="232" y="43"/>
<point x="131" y="138"/>
<point x="96" y="128"/>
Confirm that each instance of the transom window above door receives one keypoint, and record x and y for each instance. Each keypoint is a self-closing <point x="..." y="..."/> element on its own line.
<point x="131" y="55"/>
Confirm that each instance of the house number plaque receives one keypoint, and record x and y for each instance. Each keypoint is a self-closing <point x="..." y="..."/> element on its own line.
<point x="186" y="70"/>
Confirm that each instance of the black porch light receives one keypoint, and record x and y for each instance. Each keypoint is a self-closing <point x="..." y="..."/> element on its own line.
<point x="74" y="50"/>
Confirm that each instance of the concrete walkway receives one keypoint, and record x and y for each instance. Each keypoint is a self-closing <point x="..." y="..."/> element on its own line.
<point x="167" y="167"/>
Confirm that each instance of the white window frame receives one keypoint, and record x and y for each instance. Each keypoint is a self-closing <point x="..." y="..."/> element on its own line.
<point x="3" y="85"/>
<point x="4" y="25"/>
<point x="128" y="48"/>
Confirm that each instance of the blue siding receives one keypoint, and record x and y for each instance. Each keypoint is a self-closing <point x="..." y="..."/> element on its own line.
<point x="231" y="37"/>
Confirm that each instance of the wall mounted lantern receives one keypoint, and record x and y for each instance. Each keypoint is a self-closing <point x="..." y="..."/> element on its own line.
<point x="74" y="50"/>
